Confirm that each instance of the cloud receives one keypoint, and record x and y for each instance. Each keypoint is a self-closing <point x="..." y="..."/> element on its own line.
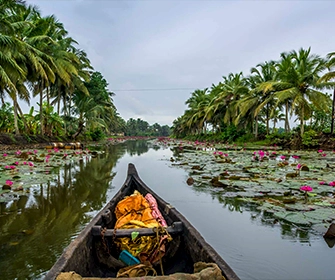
<point x="186" y="44"/>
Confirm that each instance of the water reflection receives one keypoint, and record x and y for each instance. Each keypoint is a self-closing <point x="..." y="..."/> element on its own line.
<point x="264" y="218"/>
<point x="136" y="147"/>
<point x="35" y="229"/>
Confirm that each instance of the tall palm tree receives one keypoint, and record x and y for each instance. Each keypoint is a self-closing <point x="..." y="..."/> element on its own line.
<point x="198" y="103"/>
<point x="299" y="73"/>
<point x="262" y="83"/>
<point x="226" y="96"/>
<point x="330" y="76"/>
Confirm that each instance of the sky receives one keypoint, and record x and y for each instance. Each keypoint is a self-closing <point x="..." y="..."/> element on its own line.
<point x="154" y="54"/>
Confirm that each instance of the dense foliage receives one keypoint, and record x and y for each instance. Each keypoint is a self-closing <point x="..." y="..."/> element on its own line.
<point x="39" y="59"/>
<point x="244" y="107"/>
<point x="142" y="128"/>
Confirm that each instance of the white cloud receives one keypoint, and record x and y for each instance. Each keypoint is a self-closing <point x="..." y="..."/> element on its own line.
<point x="186" y="44"/>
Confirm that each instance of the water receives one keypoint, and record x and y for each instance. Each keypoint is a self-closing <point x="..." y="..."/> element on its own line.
<point x="35" y="229"/>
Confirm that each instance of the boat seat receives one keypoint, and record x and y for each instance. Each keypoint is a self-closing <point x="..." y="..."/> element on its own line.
<point x="175" y="228"/>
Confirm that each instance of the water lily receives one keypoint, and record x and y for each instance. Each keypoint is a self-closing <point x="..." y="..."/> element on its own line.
<point x="9" y="182"/>
<point x="332" y="183"/>
<point x="324" y="154"/>
<point x="16" y="162"/>
<point x="30" y="164"/>
<point x="7" y="167"/>
<point x="18" y="152"/>
<point x="320" y="151"/>
<point x="295" y="156"/>
<point x="12" y="167"/>
<point x="306" y="189"/>
<point x="5" y="155"/>
<point x="25" y="163"/>
<point x="322" y="183"/>
<point x="299" y="166"/>
<point x="282" y="157"/>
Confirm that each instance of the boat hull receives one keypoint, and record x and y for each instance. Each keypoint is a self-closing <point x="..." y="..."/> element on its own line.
<point x="187" y="248"/>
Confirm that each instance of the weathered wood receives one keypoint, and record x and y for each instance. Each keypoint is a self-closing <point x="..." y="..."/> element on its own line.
<point x="95" y="257"/>
<point x="175" y="228"/>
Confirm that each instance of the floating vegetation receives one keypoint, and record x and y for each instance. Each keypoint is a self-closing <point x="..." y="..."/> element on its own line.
<point x="22" y="170"/>
<point x="296" y="187"/>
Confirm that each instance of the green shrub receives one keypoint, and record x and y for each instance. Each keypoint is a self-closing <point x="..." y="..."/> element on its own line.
<point x="309" y="138"/>
<point x="96" y="134"/>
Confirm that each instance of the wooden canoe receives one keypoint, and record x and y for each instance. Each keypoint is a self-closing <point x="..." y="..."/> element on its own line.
<point x="82" y="254"/>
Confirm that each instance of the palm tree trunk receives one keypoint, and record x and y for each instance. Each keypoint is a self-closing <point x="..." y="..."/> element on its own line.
<point x="16" y="126"/>
<point x="302" y="121"/>
<point x="59" y="99"/>
<point x="287" y="123"/>
<point x="333" y="114"/>
<point x="267" y="119"/>
<point x="256" y="127"/>
<point x="41" y="109"/>
<point x="48" y="96"/>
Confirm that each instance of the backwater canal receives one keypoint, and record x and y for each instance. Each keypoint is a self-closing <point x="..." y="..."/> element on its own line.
<point x="36" y="228"/>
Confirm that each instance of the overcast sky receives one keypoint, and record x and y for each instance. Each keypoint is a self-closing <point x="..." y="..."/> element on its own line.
<point x="185" y="45"/>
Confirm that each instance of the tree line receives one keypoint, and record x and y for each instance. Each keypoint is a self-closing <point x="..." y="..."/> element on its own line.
<point x="294" y="86"/>
<point x="140" y="127"/>
<point x="39" y="59"/>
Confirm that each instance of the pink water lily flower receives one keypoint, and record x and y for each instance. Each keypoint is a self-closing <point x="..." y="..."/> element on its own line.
<point x="320" y="151"/>
<point x="18" y="152"/>
<point x="324" y="154"/>
<point x="30" y="164"/>
<point x="295" y="157"/>
<point x="332" y="183"/>
<point x="5" y="155"/>
<point x="9" y="182"/>
<point x="7" y="167"/>
<point x="306" y="188"/>
<point x="12" y="167"/>
<point x="322" y="183"/>
<point x="16" y="162"/>
<point x="299" y="166"/>
<point x="282" y="157"/>
<point x="25" y="163"/>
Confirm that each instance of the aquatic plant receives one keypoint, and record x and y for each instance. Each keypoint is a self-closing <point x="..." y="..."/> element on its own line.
<point x="9" y="182"/>
<point x="306" y="189"/>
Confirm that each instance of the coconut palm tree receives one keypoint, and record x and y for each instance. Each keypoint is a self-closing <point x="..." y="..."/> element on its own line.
<point x="299" y="72"/>
<point x="262" y="83"/>
<point x="226" y="96"/>
<point x="330" y="76"/>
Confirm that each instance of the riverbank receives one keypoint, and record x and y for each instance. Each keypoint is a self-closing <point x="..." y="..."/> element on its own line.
<point x="12" y="142"/>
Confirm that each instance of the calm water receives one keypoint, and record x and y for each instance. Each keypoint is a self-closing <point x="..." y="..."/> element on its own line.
<point x="35" y="229"/>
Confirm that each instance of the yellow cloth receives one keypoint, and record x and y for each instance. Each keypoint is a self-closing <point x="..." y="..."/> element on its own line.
<point x="134" y="207"/>
<point x="134" y="212"/>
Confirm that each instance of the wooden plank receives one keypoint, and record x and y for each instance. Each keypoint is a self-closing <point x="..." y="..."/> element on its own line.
<point x="175" y="228"/>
